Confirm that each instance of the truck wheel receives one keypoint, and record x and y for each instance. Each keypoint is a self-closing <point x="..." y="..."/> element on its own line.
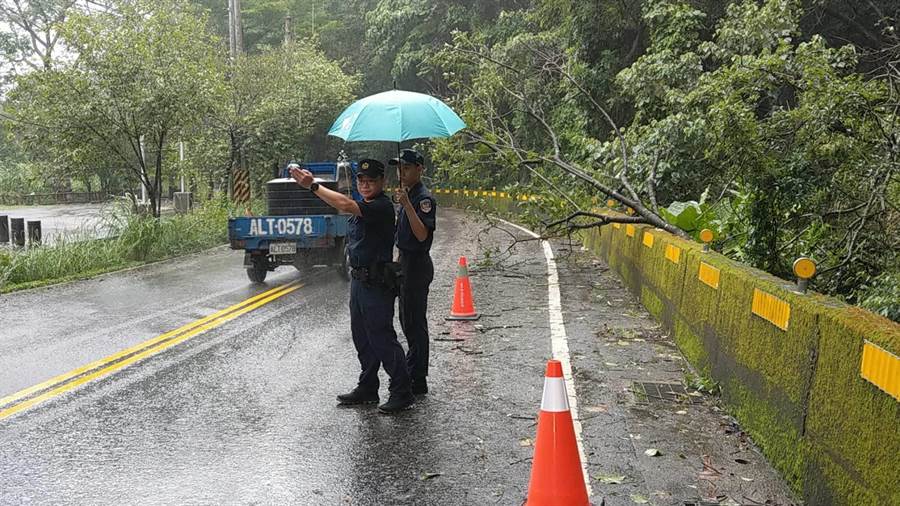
<point x="344" y="267"/>
<point x="257" y="272"/>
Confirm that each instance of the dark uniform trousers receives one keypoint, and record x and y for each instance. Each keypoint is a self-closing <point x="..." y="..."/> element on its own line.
<point x="372" y="326"/>
<point x="418" y="272"/>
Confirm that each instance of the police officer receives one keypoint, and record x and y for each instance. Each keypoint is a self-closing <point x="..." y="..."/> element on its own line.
<point x="415" y="233"/>
<point x="371" y="298"/>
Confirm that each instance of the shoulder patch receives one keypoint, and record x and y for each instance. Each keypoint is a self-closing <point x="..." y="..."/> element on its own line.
<point x="425" y="206"/>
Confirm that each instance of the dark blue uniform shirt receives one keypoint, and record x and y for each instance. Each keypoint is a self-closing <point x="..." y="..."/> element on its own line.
<point x="371" y="234"/>
<point x="426" y="209"/>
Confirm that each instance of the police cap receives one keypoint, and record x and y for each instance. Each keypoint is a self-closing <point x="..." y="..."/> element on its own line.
<point x="371" y="168"/>
<point x="408" y="156"/>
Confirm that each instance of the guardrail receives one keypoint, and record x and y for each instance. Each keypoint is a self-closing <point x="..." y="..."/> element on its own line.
<point x="493" y="194"/>
<point x="814" y="381"/>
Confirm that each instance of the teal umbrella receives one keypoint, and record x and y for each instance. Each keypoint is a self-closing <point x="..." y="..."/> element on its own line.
<point x="396" y="116"/>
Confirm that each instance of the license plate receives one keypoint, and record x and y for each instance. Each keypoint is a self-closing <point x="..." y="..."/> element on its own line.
<point x="282" y="248"/>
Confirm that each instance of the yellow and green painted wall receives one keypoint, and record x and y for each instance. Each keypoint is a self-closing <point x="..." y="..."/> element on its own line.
<point x="814" y="381"/>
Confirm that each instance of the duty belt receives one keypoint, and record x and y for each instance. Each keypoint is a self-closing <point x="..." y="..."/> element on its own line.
<point x="415" y="254"/>
<point x="360" y="273"/>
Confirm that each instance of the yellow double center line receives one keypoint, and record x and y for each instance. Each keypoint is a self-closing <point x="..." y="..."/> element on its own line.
<point x="53" y="387"/>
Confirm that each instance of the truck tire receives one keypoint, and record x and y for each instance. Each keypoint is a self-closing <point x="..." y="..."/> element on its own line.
<point x="257" y="272"/>
<point x="343" y="267"/>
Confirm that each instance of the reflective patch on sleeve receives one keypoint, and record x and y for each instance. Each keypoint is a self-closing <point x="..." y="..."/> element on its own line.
<point x="425" y="206"/>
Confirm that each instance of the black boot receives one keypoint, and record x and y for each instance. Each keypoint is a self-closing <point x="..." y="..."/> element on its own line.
<point x="397" y="402"/>
<point x="358" y="396"/>
<point x="420" y="386"/>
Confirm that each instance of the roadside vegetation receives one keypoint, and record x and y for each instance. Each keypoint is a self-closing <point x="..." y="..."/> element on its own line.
<point x="133" y="239"/>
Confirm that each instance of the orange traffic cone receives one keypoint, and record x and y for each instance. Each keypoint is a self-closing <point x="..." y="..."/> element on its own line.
<point x="556" y="475"/>
<point x="463" y="306"/>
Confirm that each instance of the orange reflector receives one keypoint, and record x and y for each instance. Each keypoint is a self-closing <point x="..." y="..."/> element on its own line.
<point x="648" y="239"/>
<point x="804" y="268"/>
<point x="629" y="230"/>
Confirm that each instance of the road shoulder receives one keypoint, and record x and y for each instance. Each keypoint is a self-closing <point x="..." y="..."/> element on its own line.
<point x="644" y="442"/>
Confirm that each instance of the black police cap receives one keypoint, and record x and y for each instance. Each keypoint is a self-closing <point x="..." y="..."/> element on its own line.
<point x="408" y="156"/>
<point x="371" y="168"/>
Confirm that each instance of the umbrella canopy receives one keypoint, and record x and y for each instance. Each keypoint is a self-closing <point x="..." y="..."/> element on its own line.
<point x="396" y="116"/>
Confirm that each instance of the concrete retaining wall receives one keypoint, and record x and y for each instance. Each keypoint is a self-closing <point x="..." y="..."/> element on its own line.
<point x="790" y="371"/>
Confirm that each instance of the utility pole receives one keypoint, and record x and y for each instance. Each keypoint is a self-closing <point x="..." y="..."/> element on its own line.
<point x="235" y="30"/>
<point x="182" y="198"/>
<point x="146" y="174"/>
<point x="238" y="29"/>
<point x="181" y="162"/>
<point x="288" y="31"/>
<point x="240" y="173"/>
<point x="231" y="45"/>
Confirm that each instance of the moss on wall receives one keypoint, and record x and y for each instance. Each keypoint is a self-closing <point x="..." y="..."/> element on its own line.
<point x="853" y="426"/>
<point x="692" y="347"/>
<point x="652" y="302"/>
<point x="779" y="439"/>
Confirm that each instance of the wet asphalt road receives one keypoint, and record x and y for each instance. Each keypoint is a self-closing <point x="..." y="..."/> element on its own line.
<point x="245" y="412"/>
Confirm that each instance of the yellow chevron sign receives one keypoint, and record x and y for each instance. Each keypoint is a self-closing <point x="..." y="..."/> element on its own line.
<point x="709" y="275"/>
<point x="673" y="253"/>
<point x="881" y="368"/>
<point x="771" y="308"/>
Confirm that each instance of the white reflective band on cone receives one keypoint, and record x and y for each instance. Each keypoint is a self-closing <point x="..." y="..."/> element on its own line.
<point x="555" y="399"/>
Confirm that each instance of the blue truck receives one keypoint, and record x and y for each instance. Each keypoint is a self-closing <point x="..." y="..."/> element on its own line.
<point x="298" y="229"/>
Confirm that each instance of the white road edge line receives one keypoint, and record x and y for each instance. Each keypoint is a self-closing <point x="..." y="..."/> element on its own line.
<point x="559" y="343"/>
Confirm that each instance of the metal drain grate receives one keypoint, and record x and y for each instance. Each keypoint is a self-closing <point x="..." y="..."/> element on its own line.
<point x="650" y="392"/>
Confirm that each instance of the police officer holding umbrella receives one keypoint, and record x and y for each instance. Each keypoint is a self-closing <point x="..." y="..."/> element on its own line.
<point x="415" y="233"/>
<point x="372" y="289"/>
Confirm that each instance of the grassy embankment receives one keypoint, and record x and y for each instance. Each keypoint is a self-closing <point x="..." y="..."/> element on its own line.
<point x="133" y="240"/>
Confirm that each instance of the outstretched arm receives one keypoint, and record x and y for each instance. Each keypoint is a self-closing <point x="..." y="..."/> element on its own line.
<point x="334" y="199"/>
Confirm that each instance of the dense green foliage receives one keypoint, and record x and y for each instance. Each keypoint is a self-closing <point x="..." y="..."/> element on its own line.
<point x="144" y="75"/>
<point x="747" y="118"/>
<point x="148" y="77"/>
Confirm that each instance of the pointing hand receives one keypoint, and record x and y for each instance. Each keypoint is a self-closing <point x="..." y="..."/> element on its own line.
<point x="303" y="177"/>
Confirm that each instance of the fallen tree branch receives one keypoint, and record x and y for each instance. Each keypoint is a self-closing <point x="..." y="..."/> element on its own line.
<point x="601" y="219"/>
